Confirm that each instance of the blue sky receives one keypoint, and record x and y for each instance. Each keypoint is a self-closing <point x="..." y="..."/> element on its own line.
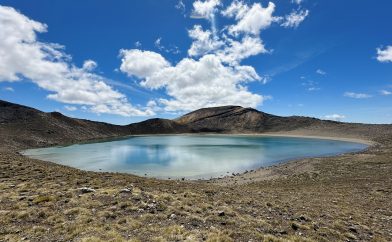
<point x="126" y="61"/>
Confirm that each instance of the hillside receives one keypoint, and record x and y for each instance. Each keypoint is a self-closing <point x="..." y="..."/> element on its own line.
<point x="238" y="120"/>
<point x="22" y="126"/>
<point x="158" y="126"/>
<point x="226" y="119"/>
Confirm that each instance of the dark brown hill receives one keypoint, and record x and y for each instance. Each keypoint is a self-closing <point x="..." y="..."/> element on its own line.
<point x="236" y="119"/>
<point x="22" y="127"/>
<point x="239" y="119"/>
<point x="158" y="126"/>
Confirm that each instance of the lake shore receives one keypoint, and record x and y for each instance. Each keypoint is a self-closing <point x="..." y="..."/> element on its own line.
<point x="62" y="154"/>
<point x="345" y="197"/>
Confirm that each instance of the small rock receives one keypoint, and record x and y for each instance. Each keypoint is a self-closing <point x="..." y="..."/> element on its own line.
<point x="294" y="226"/>
<point x="353" y="229"/>
<point x="173" y="216"/>
<point x="126" y="190"/>
<point x="86" y="190"/>
<point x="304" y="218"/>
<point x="221" y="213"/>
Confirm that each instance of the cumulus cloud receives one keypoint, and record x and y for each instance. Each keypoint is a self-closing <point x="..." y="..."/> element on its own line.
<point x="235" y="51"/>
<point x="295" y="18"/>
<point x="212" y="74"/>
<point x="206" y="82"/>
<point x="89" y="65"/>
<point x="140" y="63"/>
<point x="357" y="95"/>
<point x="335" y="117"/>
<point x="384" y="55"/>
<point x="205" y="9"/>
<point x="251" y="20"/>
<point x="237" y="9"/>
<point x="203" y="41"/>
<point x="193" y="84"/>
<point x="46" y="64"/>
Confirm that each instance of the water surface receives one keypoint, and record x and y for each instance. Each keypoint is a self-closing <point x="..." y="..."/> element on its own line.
<point x="189" y="156"/>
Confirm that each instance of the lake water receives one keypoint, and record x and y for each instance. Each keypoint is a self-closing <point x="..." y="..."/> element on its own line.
<point x="189" y="156"/>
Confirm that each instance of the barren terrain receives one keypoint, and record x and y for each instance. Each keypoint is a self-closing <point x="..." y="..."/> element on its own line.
<point x="342" y="198"/>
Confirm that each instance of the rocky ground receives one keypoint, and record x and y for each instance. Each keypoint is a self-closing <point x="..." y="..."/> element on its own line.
<point x="343" y="198"/>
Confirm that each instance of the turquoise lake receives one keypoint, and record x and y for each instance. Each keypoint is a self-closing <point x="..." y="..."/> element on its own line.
<point x="189" y="156"/>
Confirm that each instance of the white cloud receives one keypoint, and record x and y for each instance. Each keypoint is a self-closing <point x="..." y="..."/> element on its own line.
<point x="385" y="92"/>
<point x="251" y="20"/>
<point x="180" y="6"/>
<point x="321" y="72"/>
<point x="9" y="89"/>
<point x="384" y="55"/>
<point x="297" y="1"/>
<point x="236" y="51"/>
<point x="212" y="73"/>
<point x="173" y="49"/>
<point x="205" y="9"/>
<point x="295" y="18"/>
<point x="138" y="44"/>
<point x="140" y="63"/>
<point x="237" y="9"/>
<point x="335" y="117"/>
<point x="311" y="86"/>
<point x="45" y="64"/>
<point x="356" y="95"/>
<point x="203" y="43"/>
<point x="89" y="65"/>
<point x="158" y="44"/>
<point x="312" y="89"/>
<point x="70" y="108"/>
<point x="193" y="84"/>
<point x="205" y="83"/>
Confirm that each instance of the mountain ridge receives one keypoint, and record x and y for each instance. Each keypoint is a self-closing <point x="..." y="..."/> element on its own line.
<point x="22" y="126"/>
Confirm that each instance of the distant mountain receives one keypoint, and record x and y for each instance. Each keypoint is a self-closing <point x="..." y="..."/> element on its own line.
<point x="238" y="120"/>
<point x="158" y="126"/>
<point x="22" y="126"/>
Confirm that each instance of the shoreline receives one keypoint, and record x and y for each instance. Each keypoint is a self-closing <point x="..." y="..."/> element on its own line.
<point x="261" y="171"/>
